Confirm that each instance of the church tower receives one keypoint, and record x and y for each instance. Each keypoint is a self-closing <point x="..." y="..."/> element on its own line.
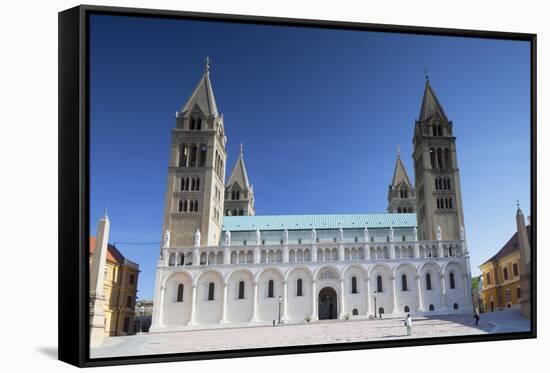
<point x="437" y="176"/>
<point x="196" y="172"/>
<point x="239" y="194"/>
<point x="401" y="196"/>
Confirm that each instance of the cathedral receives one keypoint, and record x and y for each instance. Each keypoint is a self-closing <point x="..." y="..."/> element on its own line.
<point x="221" y="265"/>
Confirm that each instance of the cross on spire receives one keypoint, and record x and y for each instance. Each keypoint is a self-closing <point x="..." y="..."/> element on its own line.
<point x="398" y="151"/>
<point x="241" y="149"/>
<point x="517" y="203"/>
<point x="426" y="75"/>
<point x="207" y="62"/>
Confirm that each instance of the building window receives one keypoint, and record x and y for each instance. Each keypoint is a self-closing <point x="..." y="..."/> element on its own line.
<point x="131" y="279"/>
<point x="241" y="289"/>
<point x="354" y="285"/>
<point x="455" y="306"/>
<point x="270" y="289"/>
<point x="355" y="312"/>
<point x="452" y="280"/>
<point x="488" y="278"/>
<point x="299" y="288"/>
<point x="428" y="282"/>
<point x="180" y="293"/>
<point x="404" y="282"/>
<point x="406" y="309"/>
<point x="431" y="307"/>
<point x="129" y="301"/>
<point x="211" y="291"/>
<point x="379" y="284"/>
<point x="505" y="273"/>
<point x="518" y="292"/>
<point x="515" y="269"/>
<point x="299" y="241"/>
<point x="126" y="326"/>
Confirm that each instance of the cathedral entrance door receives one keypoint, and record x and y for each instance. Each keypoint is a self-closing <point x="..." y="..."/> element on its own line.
<point x="328" y="304"/>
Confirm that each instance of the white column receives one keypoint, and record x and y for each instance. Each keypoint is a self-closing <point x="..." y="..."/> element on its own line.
<point x="392" y="251"/>
<point x="419" y="287"/>
<point x="196" y="256"/>
<point x="440" y="250"/>
<point x="314" y="253"/>
<point x="193" y="304"/>
<point x="416" y="250"/>
<point x="341" y="253"/>
<point x="443" y="305"/>
<point x="224" y="304"/>
<point x="161" y="307"/>
<point x="367" y="251"/>
<point x="314" y="300"/>
<point x="342" y="299"/>
<point x="285" y="301"/>
<point x="367" y="292"/>
<point x="256" y="255"/>
<point x="285" y="254"/>
<point x="394" y="294"/>
<point x="226" y="255"/>
<point x="467" y="295"/>
<point x="255" y="309"/>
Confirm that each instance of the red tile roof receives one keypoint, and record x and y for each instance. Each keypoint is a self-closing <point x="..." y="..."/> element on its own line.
<point x="113" y="254"/>
<point x="510" y="246"/>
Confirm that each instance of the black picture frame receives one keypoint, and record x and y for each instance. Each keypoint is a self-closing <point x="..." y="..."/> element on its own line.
<point x="74" y="144"/>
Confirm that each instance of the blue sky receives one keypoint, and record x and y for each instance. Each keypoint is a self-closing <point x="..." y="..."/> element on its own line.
<point x="320" y="113"/>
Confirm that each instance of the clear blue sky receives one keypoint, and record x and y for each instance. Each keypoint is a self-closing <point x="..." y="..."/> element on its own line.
<point x="320" y="113"/>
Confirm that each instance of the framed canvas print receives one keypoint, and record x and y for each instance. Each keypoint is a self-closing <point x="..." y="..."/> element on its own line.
<point x="235" y="186"/>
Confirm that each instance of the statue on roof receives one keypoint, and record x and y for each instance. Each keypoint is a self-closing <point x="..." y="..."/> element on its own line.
<point x="258" y="237"/>
<point x="341" y="231"/>
<point x="227" y="238"/>
<point x="197" y="238"/>
<point x="166" y="241"/>
<point x="438" y="233"/>
<point x="313" y="235"/>
<point x="415" y="230"/>
<point x="285" y="236"/>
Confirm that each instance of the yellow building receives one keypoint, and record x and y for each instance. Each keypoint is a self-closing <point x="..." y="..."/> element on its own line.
<point x="501" y="277"/>
<point x="120" y="287"/>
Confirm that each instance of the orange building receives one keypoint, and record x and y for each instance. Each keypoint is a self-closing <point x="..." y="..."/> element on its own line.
<point x="502" y="273"/>
<point x="120" y="287"/>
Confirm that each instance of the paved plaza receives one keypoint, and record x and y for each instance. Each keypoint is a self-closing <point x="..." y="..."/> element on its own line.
<point x="336" y="331"/>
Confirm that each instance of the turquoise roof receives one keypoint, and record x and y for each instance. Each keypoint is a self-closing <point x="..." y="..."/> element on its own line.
<point x="307" y="222"/>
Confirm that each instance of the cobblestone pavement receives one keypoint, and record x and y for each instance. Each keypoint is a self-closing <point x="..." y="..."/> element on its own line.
<point x="307" y="334"/>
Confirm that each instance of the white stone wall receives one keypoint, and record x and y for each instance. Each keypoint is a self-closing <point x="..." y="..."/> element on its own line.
<point x="258" y="308"/>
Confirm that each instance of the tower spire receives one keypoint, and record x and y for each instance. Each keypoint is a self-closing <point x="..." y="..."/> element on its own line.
<point x="398" y="151"/>
<point x="207" y="62"/>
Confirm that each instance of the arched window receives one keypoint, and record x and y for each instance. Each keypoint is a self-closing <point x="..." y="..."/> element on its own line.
<point x="450" y="203"/>
<point x="193" y="156"/>
<point x="455" y="306"/>
<point x="381" y="311"/>
<point x="407" y="309"/>
<point x="192" y="122"/>
<point x="438" y="205"/>
<point x="354" y="285"/>
<point x="404" y="282"/>
<point x="299" y="288"/>
<point x="270" y="289"/>
<point x="355" y="312"/>
<point x="180" y="206"/>
<point x="197" y="185"/>
<point x="241" y="289"/>
<point x="452" y="280"/>
<point x="431" y="307"/>
<point x="198" y="124"/>
<point x="180" y="293"/>
<point x="211" y="291"/>
<point x="192" y="183"/>
<point x="446" y="203"/>
<point x="428" y="282"/>
<point x="379" y="284"/>
<point x="202" y="153"/>
<point x="436" y="184"/>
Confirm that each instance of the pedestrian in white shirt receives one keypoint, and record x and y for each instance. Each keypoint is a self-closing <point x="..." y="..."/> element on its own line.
<point x="408" y="324"/>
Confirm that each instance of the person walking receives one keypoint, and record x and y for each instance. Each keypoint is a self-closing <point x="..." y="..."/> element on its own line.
<point x="476" y="315"/>
<point x="408" y="324"/>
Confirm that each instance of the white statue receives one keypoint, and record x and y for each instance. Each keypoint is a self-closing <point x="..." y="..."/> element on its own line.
<point x="258" y="237"/>
<point x="285" y="236"/>
<point x="166" y="242"/>
<point x="227" y="238"/>
<point x="438" y="233"/>
<point x="462" y="234"/>
<point x="313" y="235"/>
<point x="391" y="234"/>
<point x="415" y="234"/>
<point x="341" y="231"/>
<point x="366" y="234"/>
<point x="197" y="238"/>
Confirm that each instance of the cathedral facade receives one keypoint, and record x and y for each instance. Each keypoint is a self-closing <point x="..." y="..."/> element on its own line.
<point x="221" y="265"/>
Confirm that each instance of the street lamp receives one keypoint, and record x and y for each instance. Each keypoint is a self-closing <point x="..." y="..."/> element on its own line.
<point x="280" y="302"/>
<point x="142" y="312"/>
<point x="375" y="304"/>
